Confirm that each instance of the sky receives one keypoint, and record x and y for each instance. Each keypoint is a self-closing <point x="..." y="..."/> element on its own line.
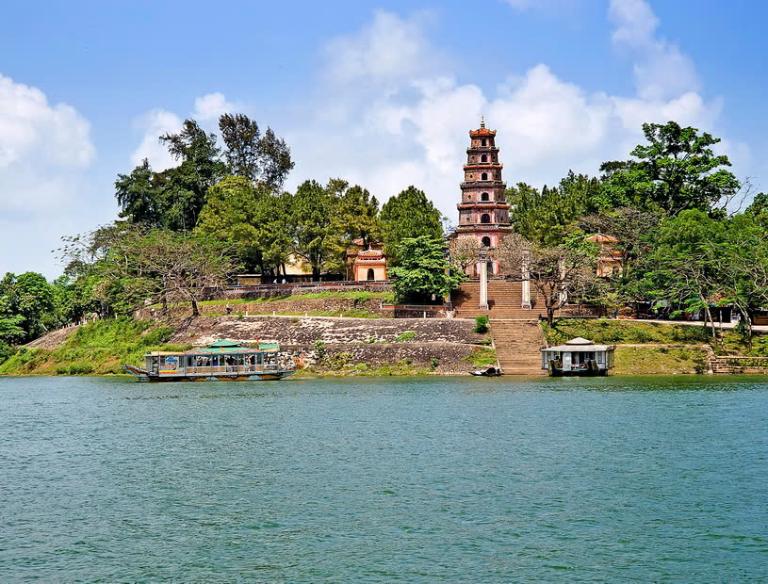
<point x="379" y="93"/>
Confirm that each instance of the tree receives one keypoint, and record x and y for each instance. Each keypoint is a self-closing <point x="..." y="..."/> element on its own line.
<point x="265" y="159"/>
<point x="546" y="217"/>
<point x="557" y="272"/>
<point x="140" y="199"/>
<point x="230" y="215"/>
<point x="174" y="197"/>
<point x="682" y="271"/>
<point x="276" y="160"/>
<point x="408" y="215"/>
<point x="424" y="271"/>
<point x="312" y="211"/>
<point x="129" y="266"/>
<point x="27" y="307"/>
<point x="185" y="187"/>
<point x="465" y="252"/>
<point x="676" y="170"/>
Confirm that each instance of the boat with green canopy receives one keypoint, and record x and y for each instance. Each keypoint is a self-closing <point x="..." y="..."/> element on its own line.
<point x="222" y="360"/>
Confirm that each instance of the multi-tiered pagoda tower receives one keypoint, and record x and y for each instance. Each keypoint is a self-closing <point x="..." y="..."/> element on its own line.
<point x="483" y="211"/>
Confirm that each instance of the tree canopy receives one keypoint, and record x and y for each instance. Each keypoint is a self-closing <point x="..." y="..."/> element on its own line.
<point x="409" y="214"/>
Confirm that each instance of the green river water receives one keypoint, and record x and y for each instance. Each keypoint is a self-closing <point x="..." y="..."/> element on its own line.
<point x="384" y="480"/>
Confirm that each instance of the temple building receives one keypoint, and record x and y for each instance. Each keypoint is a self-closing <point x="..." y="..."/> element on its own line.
<point x="366" y="263"/>
<point x="483" y="210"/>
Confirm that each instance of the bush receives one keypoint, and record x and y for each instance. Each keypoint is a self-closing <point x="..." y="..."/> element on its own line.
<point x="405" y="336"/>
<point x="481" y="324"/>
<point x="6" y="351"/>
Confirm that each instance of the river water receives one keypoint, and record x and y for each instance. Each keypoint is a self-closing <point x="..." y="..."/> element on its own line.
<point x="384" y="480"/>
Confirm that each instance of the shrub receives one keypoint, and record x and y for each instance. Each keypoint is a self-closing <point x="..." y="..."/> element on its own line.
<point x="481" y="324"/>
<point x="405" y="336"/>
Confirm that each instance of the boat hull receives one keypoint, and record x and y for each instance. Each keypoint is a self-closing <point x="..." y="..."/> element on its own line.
<point x="144" y="375"/>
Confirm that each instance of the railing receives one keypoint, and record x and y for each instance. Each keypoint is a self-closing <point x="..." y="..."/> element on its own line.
<point x="417" y="310"/>
<point x="218" y="369"/>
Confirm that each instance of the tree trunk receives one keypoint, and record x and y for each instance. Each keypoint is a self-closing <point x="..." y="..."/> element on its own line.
<point x="315" y="273"/>
<point x="708" y="320"/>
<point x="195" y="309"/>
<point x="550" y="315"/>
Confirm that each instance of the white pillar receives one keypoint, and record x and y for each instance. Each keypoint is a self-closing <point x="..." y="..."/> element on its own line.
<point x="482" y="269"/>
<point x="526" y="301"/>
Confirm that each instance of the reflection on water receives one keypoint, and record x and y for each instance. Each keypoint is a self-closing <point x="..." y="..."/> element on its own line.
<point x="382" y="480"/>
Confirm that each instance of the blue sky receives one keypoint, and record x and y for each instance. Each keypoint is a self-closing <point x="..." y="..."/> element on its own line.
<point x="381" y="93"/>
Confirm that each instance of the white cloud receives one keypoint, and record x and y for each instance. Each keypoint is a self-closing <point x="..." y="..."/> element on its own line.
<point x="390" y="114"/>
<point x="210" y="107"/>
<point x="661" y="69"/>
<point x="389" y="50"/>
<point x="45" y="151"/>
<point x="155" y="124"/>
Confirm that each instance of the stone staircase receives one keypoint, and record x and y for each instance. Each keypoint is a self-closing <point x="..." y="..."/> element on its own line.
<point x="504" y="301"/>
<point x="517" y="346"/>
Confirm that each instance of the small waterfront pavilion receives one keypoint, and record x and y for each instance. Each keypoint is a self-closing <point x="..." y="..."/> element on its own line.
<point x="578" y="355"/>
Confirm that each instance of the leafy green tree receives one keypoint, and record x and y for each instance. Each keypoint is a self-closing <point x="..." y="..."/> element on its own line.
<point x="675" y="170"/>
<point x="27" y="304"/>
<point x="140" y="199"/>
<point x="548" y="216"/>
<point x="185" y="186"/>
<point x="682" y="271"/>
<point x="410" y="214"/>
<point x="313" y="233"/>
<point x="173" y="198"/>
<point x="230" y="215"/>
<point x="424" y="272"/>
<point x="265" y="159"/>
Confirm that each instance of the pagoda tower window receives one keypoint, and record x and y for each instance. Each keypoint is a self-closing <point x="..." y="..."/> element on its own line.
<point x="484" y="176"/>
<point x="484" y="142"/>
<point x="484" y="197"/>
<point x="483" y="158"/>
<point x="486" y="218"/>
<point x="486" y="241"/>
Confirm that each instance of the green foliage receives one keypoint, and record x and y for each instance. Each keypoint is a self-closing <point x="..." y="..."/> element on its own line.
<point x="548" y="216"/>
<point x="424" y="272"/>
<point x="100" y="347"/>
<point x="410" y="214"/>
<point x="244" y="216"/>
<point x="481" y="324"/>
<point x="675" y="170"/>
<point x="405" y="337"/>
<point x="260" y="159"/>
<point x="29" y="306"/>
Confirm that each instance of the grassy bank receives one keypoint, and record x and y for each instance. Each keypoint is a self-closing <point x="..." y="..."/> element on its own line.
<point x="614" y="332"/>
<point x="659" y="361"/>
<point x="98" y="348"/>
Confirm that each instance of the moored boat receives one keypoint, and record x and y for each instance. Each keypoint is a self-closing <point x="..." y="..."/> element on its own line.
<point x="486" y="372"/>
<point x="222" y="360"/>
<point x="578" y="356"/>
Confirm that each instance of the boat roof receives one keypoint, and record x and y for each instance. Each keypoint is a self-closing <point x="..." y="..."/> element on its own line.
<point x="568" y="348"/>
<point x="222" y="347"/>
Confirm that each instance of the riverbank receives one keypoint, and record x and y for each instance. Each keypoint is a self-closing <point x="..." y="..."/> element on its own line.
<point x="367" y="347"/>
<point x="322" y="346"/>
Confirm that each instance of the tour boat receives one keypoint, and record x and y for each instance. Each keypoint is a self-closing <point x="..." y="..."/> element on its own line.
<point x="222" y="360"/>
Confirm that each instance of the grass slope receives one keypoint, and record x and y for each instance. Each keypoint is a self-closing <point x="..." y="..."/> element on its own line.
<point x="100" y="347"/>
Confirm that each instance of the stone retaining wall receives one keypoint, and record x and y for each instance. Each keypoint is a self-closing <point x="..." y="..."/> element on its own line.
<point x="305" y="331"/>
